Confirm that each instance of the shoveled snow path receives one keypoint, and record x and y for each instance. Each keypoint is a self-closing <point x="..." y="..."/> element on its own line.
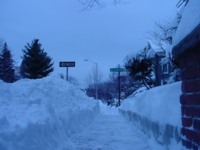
<point x="110" y="131"/>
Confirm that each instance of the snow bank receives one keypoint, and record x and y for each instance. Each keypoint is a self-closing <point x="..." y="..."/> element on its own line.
<point x="157" y="112"/>
<point x="190" y="19"/>
<point x="163" y="99"/>
<point x="42" y="114"/>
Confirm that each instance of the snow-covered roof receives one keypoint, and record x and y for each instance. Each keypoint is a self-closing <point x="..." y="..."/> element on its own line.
<point x="190" y="19"/>
<point x="154" y="46"/>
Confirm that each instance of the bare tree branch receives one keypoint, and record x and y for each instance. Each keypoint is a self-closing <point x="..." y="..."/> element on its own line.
<point x="181" y="3"/>
<point x="163" y="34"/>
<point x="89" y="4"/>
<point x="94" y="77"/>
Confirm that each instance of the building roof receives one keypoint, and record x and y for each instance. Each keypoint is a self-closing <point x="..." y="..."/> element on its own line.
<point x="191" y="41"/>
<point x="188" y="32"/>
<point x="190" y="19"/>
<point x="152" y="49"/>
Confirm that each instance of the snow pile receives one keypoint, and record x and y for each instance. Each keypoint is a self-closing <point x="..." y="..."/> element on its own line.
<point x="163" y="99"/>
<point x="157" y="112"/>
<point x="190" y="19"/>
<point x="42" y="114"/>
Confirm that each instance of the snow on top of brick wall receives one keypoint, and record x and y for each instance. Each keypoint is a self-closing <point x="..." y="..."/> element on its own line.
<point x="190" y="19"/>
<point x="160" y="104"/>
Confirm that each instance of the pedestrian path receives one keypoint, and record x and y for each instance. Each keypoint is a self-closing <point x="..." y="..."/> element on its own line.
<point x="110" y="131"/>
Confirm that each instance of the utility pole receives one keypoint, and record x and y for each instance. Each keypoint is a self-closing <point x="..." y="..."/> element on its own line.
<point x="96" y="77"/>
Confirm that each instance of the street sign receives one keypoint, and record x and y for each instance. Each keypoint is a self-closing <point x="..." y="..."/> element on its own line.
<point x="67" y="64"/>
<point x="117" y="70"/>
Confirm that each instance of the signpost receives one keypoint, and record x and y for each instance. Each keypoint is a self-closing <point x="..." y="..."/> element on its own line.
<point x="117" y="69"/>
<point x="67" y="64"/>
<point x="119" y="81"/>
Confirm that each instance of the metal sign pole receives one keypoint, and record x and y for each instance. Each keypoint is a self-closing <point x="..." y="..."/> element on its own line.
<point x="118" y="69"/>
<point x="119" y="88"/>
<point x="67" y="73"/>
<point x="67" y="64"/>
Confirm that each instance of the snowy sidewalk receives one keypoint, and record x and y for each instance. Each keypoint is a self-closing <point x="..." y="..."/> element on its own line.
<point x="110" y="131"/>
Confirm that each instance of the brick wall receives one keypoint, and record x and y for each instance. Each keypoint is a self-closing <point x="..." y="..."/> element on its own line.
<point x="190" y="98"/>
<point x="187" y="54"/>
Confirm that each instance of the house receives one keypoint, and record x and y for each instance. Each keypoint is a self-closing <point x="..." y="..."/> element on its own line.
<point x="162" y="67"/>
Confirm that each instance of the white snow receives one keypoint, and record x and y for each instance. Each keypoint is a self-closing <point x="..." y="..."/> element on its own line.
<point x="51" y="114"/>
<point x="42" y="114"/>
<point x="111" y="131"/>
<point x="157" y="112"/>
<point x="160" y="104"/>
<point x="190" y="19"/>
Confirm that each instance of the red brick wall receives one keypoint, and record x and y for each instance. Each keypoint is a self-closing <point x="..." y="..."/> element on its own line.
<point x="190" y="98"/>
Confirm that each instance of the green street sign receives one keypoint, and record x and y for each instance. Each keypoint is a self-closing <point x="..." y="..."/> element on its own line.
<point x="117" y="70"/>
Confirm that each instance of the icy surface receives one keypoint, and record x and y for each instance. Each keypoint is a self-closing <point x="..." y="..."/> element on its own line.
<point x="190" y="19"/>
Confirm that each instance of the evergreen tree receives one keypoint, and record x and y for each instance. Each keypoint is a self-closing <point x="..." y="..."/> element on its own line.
<point x="140" y="68"/>
<point x="36" y="63"/>
<point x="7" y="71"/>
<point x="1" y="67"/>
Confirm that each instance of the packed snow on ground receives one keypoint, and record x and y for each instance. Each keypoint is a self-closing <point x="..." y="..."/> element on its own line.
<point x="157" y="112"/>
<point x="42" y="114"/>
<point x="111" y="131"/>
<point x="190" y="19"/>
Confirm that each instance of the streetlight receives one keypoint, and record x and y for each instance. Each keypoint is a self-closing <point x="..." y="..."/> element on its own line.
<point x="96" y="78"/>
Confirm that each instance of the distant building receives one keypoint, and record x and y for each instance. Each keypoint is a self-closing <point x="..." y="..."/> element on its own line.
<point x="162" y="68"/>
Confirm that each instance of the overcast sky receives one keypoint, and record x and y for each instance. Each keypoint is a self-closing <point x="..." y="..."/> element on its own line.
<point x="67" y="33"/>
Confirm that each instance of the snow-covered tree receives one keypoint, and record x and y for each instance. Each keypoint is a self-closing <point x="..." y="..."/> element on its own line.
<point x="36" y="63"/>
<point x="7" y="71"/>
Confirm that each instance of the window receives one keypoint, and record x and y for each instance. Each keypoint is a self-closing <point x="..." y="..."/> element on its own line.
<point x="165" y="68"/>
